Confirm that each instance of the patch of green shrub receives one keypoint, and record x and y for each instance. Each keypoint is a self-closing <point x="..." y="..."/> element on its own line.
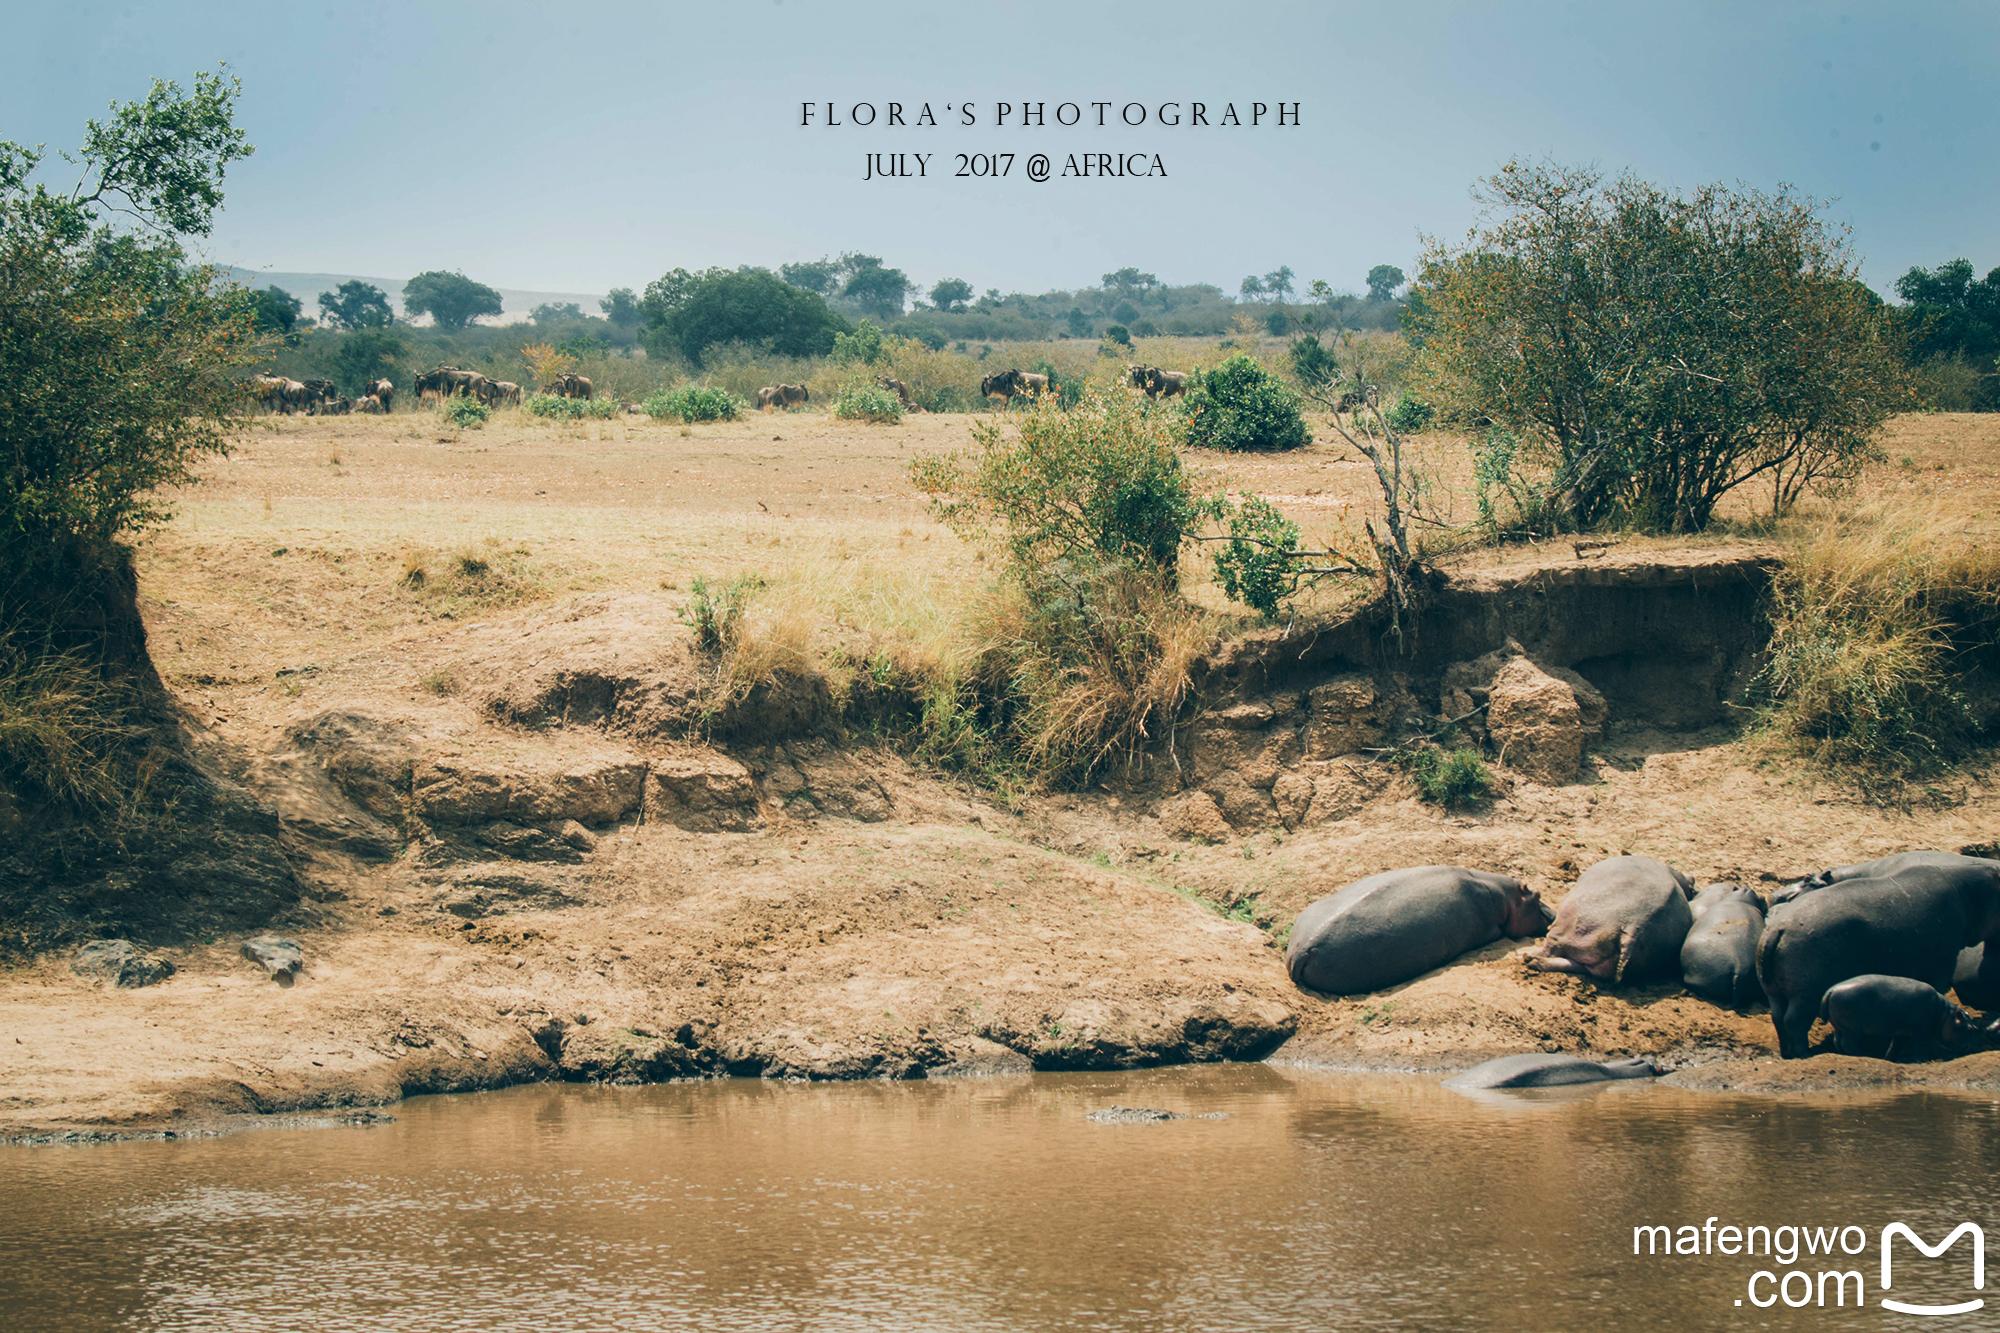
<point x="1452" y="779"/>
<point x="1410" y="415"/>
<point x="714" y="611"/>
<point x="868" y="402"/>
<point x="465" y="412"/>
<point x="1239" y="406"/>
<point x="863" y="345"/>
<point x="558" y="408"/>
<point x="695" y="402"/>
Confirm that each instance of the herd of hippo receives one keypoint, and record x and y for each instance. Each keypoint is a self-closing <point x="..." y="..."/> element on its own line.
<point x="1871" y="948"/>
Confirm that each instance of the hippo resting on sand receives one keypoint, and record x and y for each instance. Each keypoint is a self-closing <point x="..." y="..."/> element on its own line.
<point x="1624" y="921"/>
<point x="1548" y="1071"/>
<point x="1887" y="865"/>
<point x="1400" y="924"/>
<point x="1976" y="984"/>
<point x="1911" y="922"/>
<point x="1719" y="956"/>
<point x="1894" y="1016"/>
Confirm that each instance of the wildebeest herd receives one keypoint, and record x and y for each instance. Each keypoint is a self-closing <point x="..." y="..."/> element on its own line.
<point x="276" y="393"/>
<point x="1873" y="949"/>
<point x="318" y="398"/>
<point x="1155" y="382"/>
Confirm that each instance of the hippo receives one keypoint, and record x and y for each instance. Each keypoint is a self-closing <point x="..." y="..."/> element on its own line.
<point x="1400" y="924"/>
<point x="1624" y="921"/>
<point x="1910" y="923"/>
<point x="1975" y="986"/>
<point x="1719" y="956"/>
<point x="1887" y="865"/>
<point x="1895" y="1017"/>
<point x="1548" y="1071"/>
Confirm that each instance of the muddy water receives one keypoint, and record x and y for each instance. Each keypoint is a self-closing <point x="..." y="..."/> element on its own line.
<point x="1321" y="1201"/>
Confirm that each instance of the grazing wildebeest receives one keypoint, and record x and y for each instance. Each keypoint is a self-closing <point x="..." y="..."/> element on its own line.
<point x="897" y="387"/>
<point x="332" y="407"/>
<point x="1165" y="383"/>
<point x="369" y="404"/>
<point x="1005" y="385"/>
<point x="296" y="398"/>
<point x="767" y="398"/>
<point x="270" y="391"/>
<point x="571" y="385"/>
<point x="384" y="392"/>
<point x="1034" y="385"/>
<point x="793" y="395"/>
<point x="509" y="392"/>
<point x="319" y="393"/>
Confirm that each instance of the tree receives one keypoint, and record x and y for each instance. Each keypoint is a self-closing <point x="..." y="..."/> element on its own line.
<point x="275" y="310"/>
<point x="1952" y="314"/>
<point x="1130" y="281"/>
<point x="876" y="290"/>
<point x="1077" y="323"/>
<point x="951" y="294"/>
<point x="557" y="312"/>
<point x="1278" y="282"/>
<point x="1651" y="353"/>
<point x="1383" y="280"/>
<point x="621" y="308"/>
<point x="819" y="275"/>
<point x="115" y="357"/>
<point x="364" y="356"/>
<point x="687" y="313"/>
<point x="356" y="305"/>
<point x="1252" y="288"/>
<point x="451" y="299"/>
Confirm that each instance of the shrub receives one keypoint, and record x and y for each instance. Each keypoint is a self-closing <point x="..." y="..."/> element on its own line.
<point x="466" y="412"/>
<point x="1118" y="333"/>
<point x="695" y="402"/>
<point x="559" y="408"/>
<point x="1241" y="406"/>
<point x="1451" y="779"/>
<point x="868" y="402"/>
<point x="714" y="611"/>
<point x="1410" y="415"/>
<point x="864" y="345"/>
<point x="1313" y="362"/>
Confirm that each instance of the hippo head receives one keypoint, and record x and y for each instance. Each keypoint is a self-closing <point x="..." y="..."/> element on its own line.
<point x="1527" y="914"/>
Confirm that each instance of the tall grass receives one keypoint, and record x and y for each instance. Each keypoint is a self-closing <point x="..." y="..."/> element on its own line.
<point x="1876" y="617"/>
<point x="66" y="735"/>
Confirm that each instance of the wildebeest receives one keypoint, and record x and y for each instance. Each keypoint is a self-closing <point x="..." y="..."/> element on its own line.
<point x="1164" y="383"/>
<point x="332" y="407"/>
<point x="369" y="404"/>
<point x="1035" y="384"/>
<point x="1007" y="384"/>
<point x="384" y="392"/>
<point x="270" y="391"/>
<point x="897" y="387"/>
<point x="509" y="392"/>
<point x="444" y="382"/>
<point x="794" y="395"/>
<point x="767" y="398"/>
<point x="571" y="385"/>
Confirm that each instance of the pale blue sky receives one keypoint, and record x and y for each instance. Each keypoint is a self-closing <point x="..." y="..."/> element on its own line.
<point x="584" y="146"/>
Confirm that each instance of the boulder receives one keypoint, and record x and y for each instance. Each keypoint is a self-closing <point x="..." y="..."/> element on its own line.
<point x="369" y="760"/>
<point x="278" y="956"/>
<point x="702" y="793"/>
<point x="1195" y="816"/>
<point x="1293" y="795"/>
<point x="120" y="962"/>
<point x="596" y="788"/>
<point x="1345" y="717"/>
<point x="1541" y="719"/>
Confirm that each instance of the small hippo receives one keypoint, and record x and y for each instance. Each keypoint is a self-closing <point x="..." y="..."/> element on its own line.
<point x="1894" y="1016"/>
<point x="1549" y="1071"/>
<point x="1719" y="956"/>
<point x="1624" y="921"/>
<point x="1400" y="924"/>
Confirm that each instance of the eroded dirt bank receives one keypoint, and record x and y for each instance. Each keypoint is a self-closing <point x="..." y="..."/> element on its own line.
<point x="564" y="869"/>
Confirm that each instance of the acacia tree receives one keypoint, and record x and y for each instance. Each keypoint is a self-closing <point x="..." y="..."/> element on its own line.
<point x="452" y="299"/>
<point x="1651" y="353"/>
<point x="356" y="305"/>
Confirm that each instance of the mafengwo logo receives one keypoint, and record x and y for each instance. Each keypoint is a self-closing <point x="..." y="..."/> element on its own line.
<point x="1816" y="1284"/>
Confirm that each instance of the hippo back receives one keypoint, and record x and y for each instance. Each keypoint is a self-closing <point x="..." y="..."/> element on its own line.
<point x="1390" y="927"/>
<point x="1640" y="903"/>
<point x="1909" y="924"/>
<point x="1719" y="957"/>
<point x="1540" y="1070"/>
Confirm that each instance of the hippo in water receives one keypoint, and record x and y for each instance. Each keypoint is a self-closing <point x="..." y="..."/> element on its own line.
<point x="1719" y="956"/>
<point x="1624" y="921"/>
<point x="1548" y="1071"/>
<point x="1911" y="923"/>
<point x="1895" y="1017"/>
<point x="1400" y="924"/>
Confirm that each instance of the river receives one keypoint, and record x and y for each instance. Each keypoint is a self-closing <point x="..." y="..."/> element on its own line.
<point x="1314" y="1200"/>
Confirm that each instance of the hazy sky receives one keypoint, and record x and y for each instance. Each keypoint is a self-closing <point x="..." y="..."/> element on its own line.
<point x="584" y="146"/>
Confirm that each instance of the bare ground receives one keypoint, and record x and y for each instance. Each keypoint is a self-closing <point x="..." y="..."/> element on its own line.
<point x="897" y="923"/>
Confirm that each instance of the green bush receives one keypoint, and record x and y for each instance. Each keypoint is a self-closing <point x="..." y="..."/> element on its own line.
<point x="466" y="412"/>
<point x="1240" y="406"/>
<point x="868" y="402"/>
<point x="863" y="345"/>
<point x="714" y="611"/>
<point x="559" y="408"/>
<point x="1451" y="779"/>
<point x="1313" y="362"/>
<point x="695" y="402"/>
<point x="1410" y="415"/>
<point x="1119" y="334"/>
<point x="1257" y="567"/>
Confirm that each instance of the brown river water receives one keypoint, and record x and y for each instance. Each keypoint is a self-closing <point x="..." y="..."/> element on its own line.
<point x="1319" y="1201"/>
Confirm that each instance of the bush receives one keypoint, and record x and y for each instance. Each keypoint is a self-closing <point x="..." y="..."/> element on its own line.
<point x="714" y="611"/>
<point x="466" y="412"/>
<point x="868" y="402"/>
<point x="1118" y="333"/>
<point x="687" y="313"/>
<point x="559" y="408"/>
<point x="1451" y="779"/>
<point x="1240" y="406"/>
<point x="1410" y="415"/>
<point x="696" y="402"/>
<point x="863" y="345"/>
<point x="1313" y="362"/>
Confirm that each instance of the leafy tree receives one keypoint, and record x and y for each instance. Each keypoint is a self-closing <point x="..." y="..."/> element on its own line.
<point x="1129" y="282"/>
<point x="1383" y="280"/>
<point x="876" y="290"/>
<point x="1278" y="323"/>
<point x="356" y="305"/>
<point x="1652" y="352"/>
<point x="1951" y="312"/>
<point x="1077" y="323"/>
<point x="275" y="310"/>
<point x="1313" y="362"/>
<point x="687" y="313"/>
<point x="1252" y="288"/>
<point x="951" y="294"/>
<point x="451" y="299"/>
<point x="1241" y="406"/>
<point x="367" y="355"/>
<point x="621" y="308"/>
<point x="1119" y="334"/>
<point x="863" y="345"/>
<point x="1278" y="283"/>
<point x="556" y="312"/>
<point x="818" y="275"/>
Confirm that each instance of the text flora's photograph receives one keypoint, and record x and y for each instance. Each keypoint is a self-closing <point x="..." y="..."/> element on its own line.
<point x="1017" y="668"/>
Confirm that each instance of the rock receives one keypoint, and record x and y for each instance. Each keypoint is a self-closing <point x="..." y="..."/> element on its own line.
<point x="702" y="793"/>
<point x="1341" y="790"/>
<point x="1345" y="717"/>
<point x="486" y="890"/>
<point x="120" y="962"/>
<point x="1195" y="816"/>
<point x="1540" y="719"/>
<point x="1146" y="1115"/>
<point x="598" y="788"/>
<point x="839" y="785"/>
<point x="1254" y="758"/>
<point x="529" y="844"/>
<point x="280" y="957"/>
<point x="1293" y="795"/>
<point x="369" y="760"/>
<point x="577" y="837"/>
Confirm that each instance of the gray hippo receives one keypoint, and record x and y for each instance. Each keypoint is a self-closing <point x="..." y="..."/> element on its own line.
<point x="1886" y="865"/>
<point x="1974" y="983"/>
<point x="1624" y="921"/>
<point x="1400" y="924"/>
<point x="1910" y="923"/>
<point x="1548" y="1071"/>
<point x="1894" y="1017"/>
<point x="1719" y="956"/>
